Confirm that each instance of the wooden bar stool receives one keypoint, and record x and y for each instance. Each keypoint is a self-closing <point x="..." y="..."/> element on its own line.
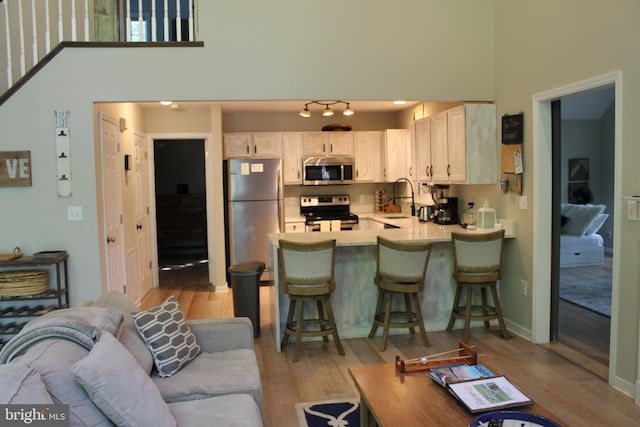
<point x="401" y="270"/>
<point x="477" y="264"/>
<point x="308" y="276"/>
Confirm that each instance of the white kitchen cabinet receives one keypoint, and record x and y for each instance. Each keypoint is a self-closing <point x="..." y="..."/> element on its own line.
<point x="422" y="149"/>
<point x="368" y="152"/>
<point x="463" y="145"/>
<point x="294" y="227"/>
<point x="260" y="144"/>
<point x="396" y="154"/>
<point x="292" y="157"/>
<point x="439" y="148"/>
<point x="327" y="144"/>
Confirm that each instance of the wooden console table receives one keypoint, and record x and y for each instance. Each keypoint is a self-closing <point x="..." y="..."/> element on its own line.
<point x="389" y="398"/>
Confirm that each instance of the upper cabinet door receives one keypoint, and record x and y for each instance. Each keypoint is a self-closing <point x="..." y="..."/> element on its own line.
<point x="396" y="150"/>
<point x="327" y="144"/>
<point x="422" y="146"/>
<point x="237" y="145"/>
<point x="367" y="147"/>
<point x="267" y="144"/>
<point x="261" y="144"/>
<point x="292" y="157"/>
<point x="458" y="145"/>
<point x="439" y="148"/>
<point x="341" y="144"/>
<point x="315" y="144"/>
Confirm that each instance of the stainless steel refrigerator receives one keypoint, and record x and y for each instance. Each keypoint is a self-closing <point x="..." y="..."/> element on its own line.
<point x="253" y="208"/>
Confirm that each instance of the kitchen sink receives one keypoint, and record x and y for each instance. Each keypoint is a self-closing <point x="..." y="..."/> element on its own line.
<point x="396" y="217"/>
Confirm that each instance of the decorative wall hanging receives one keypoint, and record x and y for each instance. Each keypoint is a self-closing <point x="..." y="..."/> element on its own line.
<point x="512" y="165"/>
<point x="15" y="168"/>
<point x="63" y="153"/>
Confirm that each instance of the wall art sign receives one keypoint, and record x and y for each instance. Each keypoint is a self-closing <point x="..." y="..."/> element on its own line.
<point x="15" y="168"/>
<point x="63" y="153"/>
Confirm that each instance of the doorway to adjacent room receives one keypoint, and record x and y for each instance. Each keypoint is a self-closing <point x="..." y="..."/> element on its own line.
<point x="181" y="214"/>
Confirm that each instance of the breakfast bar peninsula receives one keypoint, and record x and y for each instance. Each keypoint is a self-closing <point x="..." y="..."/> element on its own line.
<point x="354" y="298"/>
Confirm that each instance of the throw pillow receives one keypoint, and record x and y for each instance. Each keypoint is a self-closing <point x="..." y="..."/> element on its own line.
<point x="580" y="217"/>
<point x="596" y="224"/>
<point x="119" y="387"/>
<point x="167" y="336"/>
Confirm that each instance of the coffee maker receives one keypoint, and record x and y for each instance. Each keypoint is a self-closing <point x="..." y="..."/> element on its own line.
<point x="446" y="211"/>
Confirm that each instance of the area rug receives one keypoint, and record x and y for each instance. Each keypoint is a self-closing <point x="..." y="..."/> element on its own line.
<point x="329" y="413"/>
<point x="594" y="296"/>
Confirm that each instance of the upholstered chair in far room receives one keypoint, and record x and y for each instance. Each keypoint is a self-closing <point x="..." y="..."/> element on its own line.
<point x="477" y="265"/>
<point x="308" y="276"/>
<point x="401" y="269"/>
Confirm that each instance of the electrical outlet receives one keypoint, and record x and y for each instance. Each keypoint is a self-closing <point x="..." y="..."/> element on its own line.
<point x="524" y="285"/>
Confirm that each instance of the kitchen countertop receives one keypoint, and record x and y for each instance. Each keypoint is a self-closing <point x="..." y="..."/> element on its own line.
<point x="410" y="229"/>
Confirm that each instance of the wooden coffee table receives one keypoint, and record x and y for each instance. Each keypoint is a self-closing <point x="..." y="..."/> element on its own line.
<point x="389" y="398"/>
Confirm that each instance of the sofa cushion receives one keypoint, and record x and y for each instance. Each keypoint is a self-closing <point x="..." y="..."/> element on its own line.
<point x="21" y="384"/>
<point x="235" y="410"/>
<point x="233" y="371"/>
<point x="167" y="336"/>
<point x="128" y="333"/>
<point x="579" y="217"/>
<point x="118" y="385"/>
<point x="53" y="358"/>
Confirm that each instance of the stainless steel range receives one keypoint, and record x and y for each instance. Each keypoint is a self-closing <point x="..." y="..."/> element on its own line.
<point x="320" y="211"/>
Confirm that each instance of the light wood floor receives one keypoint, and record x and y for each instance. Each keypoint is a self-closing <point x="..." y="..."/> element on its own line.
<point x="570" y="392"/>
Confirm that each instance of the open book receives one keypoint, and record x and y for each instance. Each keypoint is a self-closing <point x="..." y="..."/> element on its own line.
<point x="477" y="388"/>
<point x="444" y="375"/>
<point x="488" y="394"/>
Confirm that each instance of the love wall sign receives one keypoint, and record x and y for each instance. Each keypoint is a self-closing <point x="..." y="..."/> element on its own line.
<point x="15" y="168"/>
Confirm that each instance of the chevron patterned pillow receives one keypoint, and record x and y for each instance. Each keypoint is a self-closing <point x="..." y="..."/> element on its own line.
<point x="168" y="337"/>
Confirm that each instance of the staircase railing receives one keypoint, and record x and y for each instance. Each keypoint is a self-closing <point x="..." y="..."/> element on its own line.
<point x="32" y="29"/>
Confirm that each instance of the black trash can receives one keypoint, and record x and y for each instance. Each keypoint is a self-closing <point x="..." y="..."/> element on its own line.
<point x="245" y="285"/>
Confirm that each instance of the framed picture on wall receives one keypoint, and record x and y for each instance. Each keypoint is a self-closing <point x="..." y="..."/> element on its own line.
<point x="578" y="169"/>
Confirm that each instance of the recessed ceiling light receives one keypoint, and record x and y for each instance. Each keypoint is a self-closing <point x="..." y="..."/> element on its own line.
<point x="166" y="102"/>
<point x="399" y="102"/>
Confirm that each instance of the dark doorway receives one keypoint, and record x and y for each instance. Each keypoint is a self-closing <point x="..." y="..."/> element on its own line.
<point x="583" y="179"/>
<point x="181" y="215"/>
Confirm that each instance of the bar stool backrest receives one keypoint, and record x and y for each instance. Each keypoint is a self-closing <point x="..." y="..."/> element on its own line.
<point x="402" y="262"/>
<point x="477" y="258"/>
<point x="307" y="264"/>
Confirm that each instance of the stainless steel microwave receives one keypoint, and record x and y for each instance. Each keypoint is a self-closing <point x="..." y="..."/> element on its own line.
<point x="328" y="170"/>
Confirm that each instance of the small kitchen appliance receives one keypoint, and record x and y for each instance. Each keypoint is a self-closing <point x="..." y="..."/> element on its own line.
<point x="446" y="211"/>
<point x="320" y="211"/>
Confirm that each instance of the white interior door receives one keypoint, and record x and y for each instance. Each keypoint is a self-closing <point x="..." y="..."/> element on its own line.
<point x="112" y="203"/>
<point x="143" y="241"/>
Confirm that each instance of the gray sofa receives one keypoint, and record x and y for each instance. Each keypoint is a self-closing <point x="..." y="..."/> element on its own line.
<point x="113" y="379"/>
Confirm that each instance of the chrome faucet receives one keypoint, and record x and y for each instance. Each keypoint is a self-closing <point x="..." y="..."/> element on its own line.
<point x="413" y="203"/>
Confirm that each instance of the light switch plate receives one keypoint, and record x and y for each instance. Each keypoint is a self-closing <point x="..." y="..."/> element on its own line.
<point x="632" y="210"/>
<point x="74" y="213"/>
<point x="523" y="202"/>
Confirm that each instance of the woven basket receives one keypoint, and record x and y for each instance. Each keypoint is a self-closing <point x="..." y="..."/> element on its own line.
<point x="23" y="282"/>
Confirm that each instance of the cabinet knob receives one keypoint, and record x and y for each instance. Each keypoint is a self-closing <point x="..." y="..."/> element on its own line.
<point x="111" y="239"/>
<point x="138" y="226"/>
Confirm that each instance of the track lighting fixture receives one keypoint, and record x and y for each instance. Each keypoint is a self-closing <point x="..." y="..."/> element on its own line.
<point x="327" y="112"/>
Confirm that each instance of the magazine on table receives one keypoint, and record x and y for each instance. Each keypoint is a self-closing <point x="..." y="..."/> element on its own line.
<point x="449" y="374"/>
<point x="488" y="394"/>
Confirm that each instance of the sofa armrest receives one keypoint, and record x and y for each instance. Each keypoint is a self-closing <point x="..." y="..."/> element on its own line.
<point x="215" y="335"/>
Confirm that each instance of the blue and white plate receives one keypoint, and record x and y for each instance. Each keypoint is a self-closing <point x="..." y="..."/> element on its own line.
<point x="512" y="419"/>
